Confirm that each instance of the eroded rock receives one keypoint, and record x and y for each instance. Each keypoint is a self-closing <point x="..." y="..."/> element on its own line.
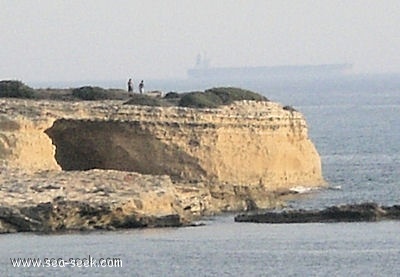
<point x="246" y="143"/>
<point x="104" y="165"/>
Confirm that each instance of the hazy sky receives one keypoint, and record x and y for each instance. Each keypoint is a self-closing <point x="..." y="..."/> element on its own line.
<point x="70" y="40"/>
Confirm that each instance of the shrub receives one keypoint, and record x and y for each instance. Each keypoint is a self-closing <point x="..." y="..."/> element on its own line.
<point x="90" y="93"/>
<point x="143" y="100"/>
<point x="15" y="89"/>
<point x="215" y="97"/>
<point x="231" y="94"/>
<point x="200" y="100"/>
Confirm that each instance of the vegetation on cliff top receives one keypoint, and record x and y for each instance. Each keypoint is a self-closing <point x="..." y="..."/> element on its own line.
<point x="15" y="89"/>
<point x="210" y="98"/>
<point x="97" y="93"/>
<point x="215" y="97"/>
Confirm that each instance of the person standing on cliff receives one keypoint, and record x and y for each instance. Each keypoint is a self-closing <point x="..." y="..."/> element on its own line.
<point x="130" y="85"/>
<point x="141" y="87"/>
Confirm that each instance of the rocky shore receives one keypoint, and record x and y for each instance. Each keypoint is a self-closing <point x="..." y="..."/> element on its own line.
<point x="342" y="213"/>
<point x="85" y="165"/>
<point x="49" y="201"/>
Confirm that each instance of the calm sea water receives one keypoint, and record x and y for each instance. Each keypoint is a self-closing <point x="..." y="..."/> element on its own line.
<point x="221" y="248"/>
<point x="355" y="127"/>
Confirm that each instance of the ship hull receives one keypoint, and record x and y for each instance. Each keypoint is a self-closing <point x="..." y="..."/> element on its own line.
<point x="269" y="72"/>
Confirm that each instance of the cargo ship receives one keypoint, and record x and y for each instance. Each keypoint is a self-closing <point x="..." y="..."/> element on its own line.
<point x="203" y="70"/>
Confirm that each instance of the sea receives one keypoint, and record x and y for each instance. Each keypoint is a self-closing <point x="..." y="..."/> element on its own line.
<point x="354" y="124"/>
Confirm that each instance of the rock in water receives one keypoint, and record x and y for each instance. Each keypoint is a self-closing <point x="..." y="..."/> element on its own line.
<point x="343" y="213"/>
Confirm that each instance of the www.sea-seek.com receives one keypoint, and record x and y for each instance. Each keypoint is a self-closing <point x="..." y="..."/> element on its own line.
<point x="71" y="262"/>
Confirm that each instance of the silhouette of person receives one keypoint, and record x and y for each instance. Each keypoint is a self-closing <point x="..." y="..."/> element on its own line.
<point x="141" y="87"/>
<point x="130" y="85"/>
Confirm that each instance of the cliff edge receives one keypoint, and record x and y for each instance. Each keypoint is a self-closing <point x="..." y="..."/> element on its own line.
<point x="145" y="166"/>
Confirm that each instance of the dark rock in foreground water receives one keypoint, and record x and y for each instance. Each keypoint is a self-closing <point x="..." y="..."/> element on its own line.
<point x="343" y="213"/>
<point x="63" y="215"/>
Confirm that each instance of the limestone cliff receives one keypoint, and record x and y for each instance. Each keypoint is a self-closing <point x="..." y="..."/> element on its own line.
<point x="229" y="158"/>
<point x="244" y="143"/>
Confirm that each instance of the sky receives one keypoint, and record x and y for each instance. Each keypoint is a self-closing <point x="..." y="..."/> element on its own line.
<point x="71" y="40"/>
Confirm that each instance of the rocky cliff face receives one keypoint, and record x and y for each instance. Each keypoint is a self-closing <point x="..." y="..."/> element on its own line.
<point x="230" y="158"/>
